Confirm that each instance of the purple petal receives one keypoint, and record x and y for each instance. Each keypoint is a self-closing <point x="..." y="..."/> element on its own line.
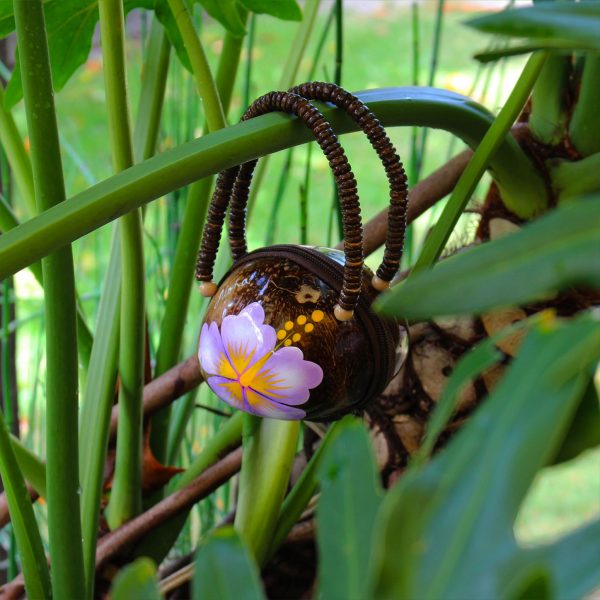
<point x="245" y="338"/>
<point x="210" y="349"/>
<point x="263" y="407"/>
<point x="227" y="390"/>
<point x="286" y="377"/>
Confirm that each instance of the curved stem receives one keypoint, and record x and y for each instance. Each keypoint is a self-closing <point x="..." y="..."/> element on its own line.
<point x="64" y="527"/>
<point x="98" y="205"/>
<point x="269" y="450"/>
<point x="125" y="499"/>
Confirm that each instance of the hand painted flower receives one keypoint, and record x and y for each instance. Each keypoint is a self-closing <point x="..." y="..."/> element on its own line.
<point x="244" y="368"/>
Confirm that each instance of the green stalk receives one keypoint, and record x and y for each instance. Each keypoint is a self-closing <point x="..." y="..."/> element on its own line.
<point x="248" y="70"/>
<point x="287" y="80"/>
<point x="284" y="174"/>
<point x="549" y="112"/>
<point x="29" y="542"/>
<point x="17" y="157"/>
<point x="207" y="89"/>
<point x="154" y="81"/>
<point x="21" y="171"/>
<point x="296" y="501"/>
<point x="125" y="499"/>
<point x="99" y="392"/>
<point x="489" y="145"/>
<point x="577" y="178"/>
<point x="30" y="465"/>
<point x="583" y="129"/>
<point x="62" y="466"/>
<point x="182" y="272"/>
<point x="515" y="173"/>
<point x="269" y="450"/>
<point x="435" y="51"/>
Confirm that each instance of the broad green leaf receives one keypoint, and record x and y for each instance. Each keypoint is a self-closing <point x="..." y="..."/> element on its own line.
<point x="70" y="25"/>
<point x="572" y="561"/>
<point x="136" y="581"/>
<point x="227" y="13"/>
<point x="288" y="10"/>
<point x="584" y="430"/>
<point x="556" y="251"/>
<point x="573" y="23"/>
<point x="225" y="570"/>
<point x="447" y="530"/>
<point x="560" y="46"/>
<point x="349" y="501"/>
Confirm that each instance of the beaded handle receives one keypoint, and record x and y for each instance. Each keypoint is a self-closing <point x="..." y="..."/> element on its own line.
<point x="377" y="136"/>
<point x="235" y="182"/>
<point x="394" y="169"/>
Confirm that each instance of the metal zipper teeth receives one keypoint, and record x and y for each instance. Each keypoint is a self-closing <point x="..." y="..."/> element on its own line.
<point x="329" y="270"/>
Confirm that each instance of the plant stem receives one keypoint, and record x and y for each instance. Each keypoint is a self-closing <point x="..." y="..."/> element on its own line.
<point x="583" y="129"/>
<point x="154" y="80"/>
<point x="288" y="78"/>
<point x="17" y="157"/>
<point x="297" y="500"/>
<point x="207" y="89"/>
<point x="172" y="169"/>
<point x="125" y="500"/>
<point x="436" y="241"/>
<point x="29" y="542"/>
<point x="182" y="272"/>
<point x="269" y="450"/>
<point x="572" y="179"/>
<point x="64" y="525"/>
<point x="549" y="112"/>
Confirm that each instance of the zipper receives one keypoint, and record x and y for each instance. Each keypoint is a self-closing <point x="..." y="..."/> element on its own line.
<point x="331" y="272"/>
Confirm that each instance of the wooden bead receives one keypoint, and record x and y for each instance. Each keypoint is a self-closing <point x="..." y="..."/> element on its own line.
<point x="380" y="284"/>
<point x="341" y="314"/>
<point x="208" y="289"/>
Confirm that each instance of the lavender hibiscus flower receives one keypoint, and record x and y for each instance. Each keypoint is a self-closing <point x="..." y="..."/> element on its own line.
<point x="252" y="368"/>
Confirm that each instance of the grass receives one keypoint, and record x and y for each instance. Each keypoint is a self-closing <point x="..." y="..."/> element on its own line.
<point x="377" y="53"/>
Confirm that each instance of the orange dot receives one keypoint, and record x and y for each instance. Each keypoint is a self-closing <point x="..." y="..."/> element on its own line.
<point x="289" y="325"/>
<point x="309" y="327"/>
<point x="301" y="320"/>
<point x="317" y="316"/>
<point x="296" y="337"/>
<point x="287" y="343"/>
<point x="281" y="334"/>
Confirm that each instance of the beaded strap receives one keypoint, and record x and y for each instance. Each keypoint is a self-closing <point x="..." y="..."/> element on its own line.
<point x="392" y="164"/>
<point x="235" y="182"/>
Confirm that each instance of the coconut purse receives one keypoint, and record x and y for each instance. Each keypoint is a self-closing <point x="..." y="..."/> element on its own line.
<point x="289" y="332"/>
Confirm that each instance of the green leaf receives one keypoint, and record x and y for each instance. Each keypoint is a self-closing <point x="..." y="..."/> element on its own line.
<point x="70" y="26"/>
<point x="572" y="562"/>
<point x="584" y="430"/>
<point x="558" y="250"/>
<point x="288" y="10"/>
<point x="227" y="13"/>
<point x="136" y="581"/>
<point x="447" y="530"/>
<point x="569" y="22"/>
<point x="350" y="499"/>
<point x="224" y="569"/>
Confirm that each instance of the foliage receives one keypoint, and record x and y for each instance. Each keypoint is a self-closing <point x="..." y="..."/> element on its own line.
<point x="446" y="529"/>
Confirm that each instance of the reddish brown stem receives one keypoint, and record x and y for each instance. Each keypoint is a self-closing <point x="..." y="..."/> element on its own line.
<point x="117" y="541"/>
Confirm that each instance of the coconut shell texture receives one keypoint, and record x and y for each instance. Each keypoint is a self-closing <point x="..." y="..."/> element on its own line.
<point x="298" y="310"/>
